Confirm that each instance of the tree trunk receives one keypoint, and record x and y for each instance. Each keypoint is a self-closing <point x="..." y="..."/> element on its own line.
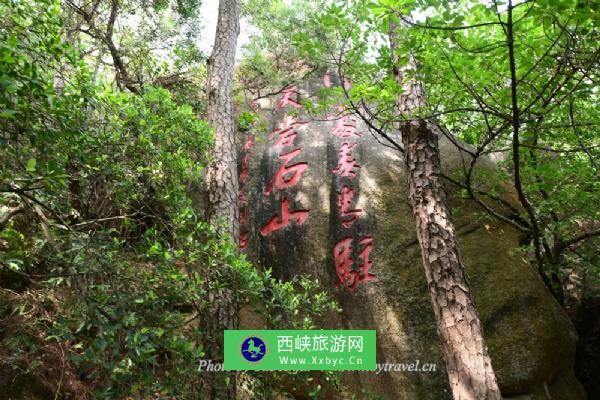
<point x="468" y="364"/>
<point x="222" y="191"/>
<point x="469" y="367"/>
<point x="220" y="314"/>
<point x="221" y="176"/>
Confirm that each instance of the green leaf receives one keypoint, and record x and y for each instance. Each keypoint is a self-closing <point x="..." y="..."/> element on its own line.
<point x="31" y="163"/>
<point x="7" y="113"/>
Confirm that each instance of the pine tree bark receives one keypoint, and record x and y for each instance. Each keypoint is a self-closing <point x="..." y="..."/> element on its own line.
<point x="221" y="176"/>
<point x="468" y="364"/>
<point x="469" y="367"/>
<point x="222" y="191"/>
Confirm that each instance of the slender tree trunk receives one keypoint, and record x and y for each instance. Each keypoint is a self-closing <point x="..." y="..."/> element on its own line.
<point x="469" y="367"/>
<point x="222" y="193"/>
<point x="222" y="176"/>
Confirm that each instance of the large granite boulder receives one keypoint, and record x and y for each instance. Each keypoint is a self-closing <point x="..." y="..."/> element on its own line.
<point x="326" y="198"/>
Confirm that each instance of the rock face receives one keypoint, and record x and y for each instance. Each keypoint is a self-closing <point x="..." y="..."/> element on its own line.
<point x="327" y="199"/>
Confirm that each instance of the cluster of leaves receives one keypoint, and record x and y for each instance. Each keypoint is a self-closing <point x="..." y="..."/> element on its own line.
<point x="271" y="60"/>
<point x="102" y="255"/>
<point x="515" y="80"/>
<point x="518" y="80"/>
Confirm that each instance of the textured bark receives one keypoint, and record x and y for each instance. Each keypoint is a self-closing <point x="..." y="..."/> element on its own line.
<point x="221" y="314"/>
<point x="222" y="191"/>
<point x="468" y="363"/>
<point x="221" y="175"/>
<point x="469" y="367"/>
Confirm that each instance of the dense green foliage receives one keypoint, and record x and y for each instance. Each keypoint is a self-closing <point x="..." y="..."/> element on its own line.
<point x="102" y="142"/>
<point x="517" y="82"/>
<point x="271" y="60"/>
<point x="101" y="252"/>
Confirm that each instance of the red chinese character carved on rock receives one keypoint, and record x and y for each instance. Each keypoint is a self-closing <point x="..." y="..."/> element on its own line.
<point x="344" y="204"/>
<point x="286" y="132"/>
<point x="343" y="262"/>
<point x="243" y="240"/>
<point x="346" y="163"/>
<point x="365" y="264"/>
<point x="249" y="143"/>
<point x="246" y="161"/>
<point x="279" y="222"/>
<point x="244" y="215"/>
<point x="282" y="178"/>
<point x="287" y="99"/>
<point x="244" y="176"/>
<point x="245" y="172"/>
<point x="345" y="127"/>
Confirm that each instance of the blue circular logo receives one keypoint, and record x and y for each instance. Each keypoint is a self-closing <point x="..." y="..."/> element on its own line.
<point x="253" y="349"/>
